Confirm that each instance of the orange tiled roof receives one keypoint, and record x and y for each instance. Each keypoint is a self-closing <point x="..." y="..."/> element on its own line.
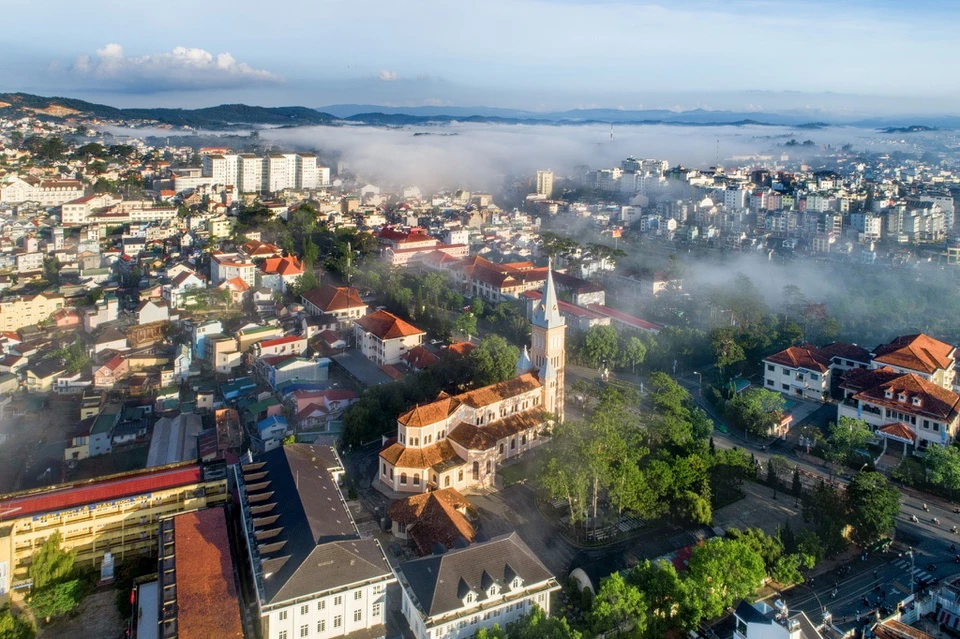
<point x="401" y="456"/>
<point x="486" y="437"/>
<point x="237" y="283"/>
<point x="799" y="357"/>
<point x="431" y="413"/>
<point x="496" y="392"/>
<point x="283" y="266"/>
<point x="387" y="325"/>
<point x="917" y="352"/>
<point x="334" y="298"/>
<point x="434" y="518"/>
<point x="935" y="401"/>
<point x="461" y="348"/>
<point x="900" y="431"/>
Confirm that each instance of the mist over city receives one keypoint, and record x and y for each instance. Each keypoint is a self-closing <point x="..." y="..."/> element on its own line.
<point x="520" y="319"/>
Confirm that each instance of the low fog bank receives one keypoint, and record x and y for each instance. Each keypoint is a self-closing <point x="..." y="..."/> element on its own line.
<point x="478" y="156"/>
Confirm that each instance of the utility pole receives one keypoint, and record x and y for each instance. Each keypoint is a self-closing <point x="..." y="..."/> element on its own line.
<point x="912" y="556"/>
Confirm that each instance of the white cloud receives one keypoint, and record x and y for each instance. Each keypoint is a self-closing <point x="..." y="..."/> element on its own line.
<point x="387" y="76"/>
<point x="181" y="68"/>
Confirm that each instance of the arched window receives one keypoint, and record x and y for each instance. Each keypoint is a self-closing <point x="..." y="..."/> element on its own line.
<point x="488" y="466"/>
<point x="416" y="479"/>
<point x="403" y="478"/>
<point x="501" y="449"/>
<point x="476" y="471"/>
<point x="523" y="440"/>
<point x="383" y="469"/>
<point x="446" y="481"/>
<point x="460" y="475"/>
<point x="513" y="443"/>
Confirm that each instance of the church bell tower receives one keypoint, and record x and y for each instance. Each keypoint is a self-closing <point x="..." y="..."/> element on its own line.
<point x="548" y="348"/>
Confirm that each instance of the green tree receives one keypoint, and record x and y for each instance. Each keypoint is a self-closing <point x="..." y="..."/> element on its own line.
<point x="632" y="352"/>
<point x="12" y="627"/>
<point x="847" y="436"/>
<point x="477" y="306"/>
<point x="493" y="361"/>
<point x="51" y="564"/>
<point x="600" y="345"/>
<point x="670" y="604"/>
<point x="619" y="607"/>
<point x="57" y="599"/>
<point x="533" y="625"/>
<point x="756" y="410"/>
<point x="722" y="571"/>
<point x="827" y="509"/>
<point x="726" y="351"/>
<point x="944" y="465"/>
<point x="466" y="324"/>
<point x="777" y="467"/>
<point x="874" y="505"/>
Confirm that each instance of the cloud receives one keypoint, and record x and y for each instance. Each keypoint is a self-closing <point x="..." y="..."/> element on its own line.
<point x="387" y="76"/>
<point x="181" y="68"/>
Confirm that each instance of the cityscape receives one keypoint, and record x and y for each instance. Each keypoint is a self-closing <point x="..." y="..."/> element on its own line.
<point x="618" y="353"/>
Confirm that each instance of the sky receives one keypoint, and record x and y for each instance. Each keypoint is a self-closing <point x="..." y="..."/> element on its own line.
<point x="854" y="57"/>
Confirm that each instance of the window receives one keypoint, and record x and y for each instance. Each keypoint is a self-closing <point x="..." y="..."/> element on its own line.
<point x="416" y="479"/>
<point x="357" y="615"/>
<point x="513" y="444"/>
<point x="321" y="605"/>
<point x="282" y="616"/>
<point x="378" y="589"/>
<point x="460" y="475"/>
<point x="337" y="621"/>
<point x="376" y="609"/>
<point x="814" y="376"/>
<point x="523" y="440"/>
<point x="282" y="634"/>
<point x="786" y="386"/>
<point x="403" y="478"/>
<point x="304" y="630"/>
<point x="338" y="600"/>
<point x="501" y="449"/>
<point x="771" y="367"/>
<point x="469" y="597"/>
<point x="322" y="625"/>
<point x="769" y="382"/>
<point x="383" y="469"/>
<point x="358" y="595"/>
<point x="446" y="481"/>
<point x="936" y="427"/>
<point x="304" y="610"/>
<point x="391" y="474"/>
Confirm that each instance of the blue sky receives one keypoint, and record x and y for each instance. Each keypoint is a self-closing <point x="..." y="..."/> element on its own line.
<point x="860" y="56"/>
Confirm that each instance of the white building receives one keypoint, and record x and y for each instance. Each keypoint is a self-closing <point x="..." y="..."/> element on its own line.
<point x="16" y="190"/>
<point x="313" y="576"/>
<point x="545" y="183"/>
<point x="226" y="266"/>
<point x="455" y="594"/>
<point x="798" y="372"/>
<point x="384" y="338"/>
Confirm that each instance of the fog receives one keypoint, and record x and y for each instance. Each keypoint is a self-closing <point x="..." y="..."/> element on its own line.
<point x="478" y="156"/>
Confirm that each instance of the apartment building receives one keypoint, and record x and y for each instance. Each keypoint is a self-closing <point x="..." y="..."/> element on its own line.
<point x="798" y="372"/>
<point x="455" y="594"/>
<point x="17" y="190"/>
<point x="312" y="574"/>
<point x="116" y="514"/>
<point x="27" y="310"/>
<point x="226" y="266"/>
<point x="254" y="174"/>
<point x="384" y="338"/>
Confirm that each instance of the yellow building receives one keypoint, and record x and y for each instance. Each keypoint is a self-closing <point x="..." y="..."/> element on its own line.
<point x="118" y="513"/>
<point x="27" y="310"/>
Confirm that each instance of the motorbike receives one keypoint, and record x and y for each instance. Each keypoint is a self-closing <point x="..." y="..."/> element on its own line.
<point x="914" y="519"/>
<point x="936" y="522"/>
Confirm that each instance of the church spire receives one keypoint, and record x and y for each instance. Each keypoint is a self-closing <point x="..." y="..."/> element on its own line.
<point x="547" y="313"/>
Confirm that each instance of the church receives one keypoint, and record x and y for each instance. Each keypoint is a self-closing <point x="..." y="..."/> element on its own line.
<point x="457" y="441"/>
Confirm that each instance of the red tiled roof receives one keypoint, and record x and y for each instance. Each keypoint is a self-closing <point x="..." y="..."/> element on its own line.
<point x="846" y="351"/>
<point x="238" y="284"/>
<point x="420" y="357"/>
<point x="282" y="266"/>
<point x="900" y="431"/>
<point x="71" y="496"/>
<point x="461" y="348"/>
<point x="205" y="577"/>
<point x="387" y="325"/>
<point x="935" y="401"/>
<point x="334" y="298"/>
<point x="805" y="358"/>
<point x="916" y="352"/>
<point x="624" y="318"/>
<point x="401" y="456"/>
<point x="279" y="341"/>
<point x="434" y="518"/>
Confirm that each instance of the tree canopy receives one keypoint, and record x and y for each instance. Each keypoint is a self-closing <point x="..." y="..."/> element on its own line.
<point x="874" y="505"/>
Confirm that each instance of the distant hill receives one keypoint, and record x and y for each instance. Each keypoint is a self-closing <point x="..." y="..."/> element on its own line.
<point x="227" y="116"/>
<point x="223" y="116"/>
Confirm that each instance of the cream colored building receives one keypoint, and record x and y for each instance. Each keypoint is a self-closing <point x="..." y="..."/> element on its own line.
<point x="27" y="310"/>
<point x="118" y="514"/>
<point x="384" y="338"/>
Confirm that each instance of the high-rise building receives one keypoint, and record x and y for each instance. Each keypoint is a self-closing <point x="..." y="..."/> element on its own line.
<point x="545" y="183"/>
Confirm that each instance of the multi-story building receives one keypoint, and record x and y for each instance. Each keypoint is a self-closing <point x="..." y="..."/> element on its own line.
<point x="339" y="302"/>
<point x="312" y="574"/>
<point x="226" y="266"/>
<point x="116" y="514"/>
<point x="759" y="620"/>
<point x="277" y="273"/>
<point x="905" y="408"/>
<point x="455" y="594"/>
<point x="457" y="441"/>
<point x="798" y="372"/>
<point x="384" y="338"/>
<point x="27" y="310"/>
<point x="545" y="183"/>
<point x="254" y="174"/>
<point x="18" y="190"/>
<point x="921" y="354"/>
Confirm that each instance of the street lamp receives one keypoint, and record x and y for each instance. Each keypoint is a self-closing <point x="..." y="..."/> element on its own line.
<point x="699" y="383"/>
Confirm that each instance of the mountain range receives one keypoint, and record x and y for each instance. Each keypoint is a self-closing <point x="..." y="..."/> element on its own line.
<point x="227" y="116"/>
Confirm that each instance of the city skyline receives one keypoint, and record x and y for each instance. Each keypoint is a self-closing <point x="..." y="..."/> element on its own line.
<point x="750" y="56"/>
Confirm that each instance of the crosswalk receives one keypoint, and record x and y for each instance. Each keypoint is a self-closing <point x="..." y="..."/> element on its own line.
<point x="903" y="565"/>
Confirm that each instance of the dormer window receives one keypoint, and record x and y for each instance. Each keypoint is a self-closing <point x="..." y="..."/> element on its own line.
<point x="915" y="401"/>
<point x="470" y="598"/>
<point x="888" y="394"/>
<point x="516" y="583"/>
<point x="493" y="591"/>
<point x="901" y="397"/>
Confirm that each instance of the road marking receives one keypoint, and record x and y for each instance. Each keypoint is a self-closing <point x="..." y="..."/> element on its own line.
<point x="901" y="587"/>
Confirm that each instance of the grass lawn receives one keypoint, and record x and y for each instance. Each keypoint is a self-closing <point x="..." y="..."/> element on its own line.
<point x="524" y="469"/>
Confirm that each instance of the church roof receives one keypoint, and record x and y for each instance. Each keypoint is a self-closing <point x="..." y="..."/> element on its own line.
<point x="547" y="312"/>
